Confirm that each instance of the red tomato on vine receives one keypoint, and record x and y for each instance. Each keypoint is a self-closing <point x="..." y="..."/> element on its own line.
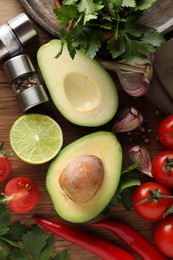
<point x="151" y="201"/>
<point x="165" y="132"/>
<point x="162" y="168"/>
<point x="163" y="236"/>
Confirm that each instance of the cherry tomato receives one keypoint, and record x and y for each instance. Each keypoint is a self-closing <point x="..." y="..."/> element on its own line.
<point x="5" y="167"/>
<point x="162" y="168"/>
<point x="165" y="132"/>
<point x="148" y="201"/>
<point x="21" y="193"/>
<point x="163" y="236"/>
<point x="5" y="164"/>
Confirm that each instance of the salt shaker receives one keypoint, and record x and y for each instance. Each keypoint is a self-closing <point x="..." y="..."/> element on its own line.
<point x="25" y="82"/>
<point x="15" y="35"/>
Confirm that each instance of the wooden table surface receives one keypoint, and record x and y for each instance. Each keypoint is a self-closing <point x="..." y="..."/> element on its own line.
<point x="10" y="111"/>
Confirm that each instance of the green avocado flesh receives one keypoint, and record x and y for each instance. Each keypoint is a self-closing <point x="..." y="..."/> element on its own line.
<point x="81" y="89"/>
<point x="102" y="144"/>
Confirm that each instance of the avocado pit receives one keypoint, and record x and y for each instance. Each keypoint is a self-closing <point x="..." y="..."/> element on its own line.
<point x="82" y="178"/>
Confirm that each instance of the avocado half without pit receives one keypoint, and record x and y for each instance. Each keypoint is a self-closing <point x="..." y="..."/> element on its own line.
<point x="81" y="89"/>
<point x="84" y="176"/>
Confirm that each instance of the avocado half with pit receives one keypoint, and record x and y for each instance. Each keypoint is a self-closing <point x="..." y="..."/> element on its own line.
<point x="81" y="89"/>
<point x="84" y="176"/>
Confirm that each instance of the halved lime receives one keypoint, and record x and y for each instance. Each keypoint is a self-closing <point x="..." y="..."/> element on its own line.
<point x="36" y="138"/>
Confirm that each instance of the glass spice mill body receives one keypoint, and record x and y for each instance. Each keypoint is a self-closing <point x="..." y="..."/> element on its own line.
<point x="25" y="82"/>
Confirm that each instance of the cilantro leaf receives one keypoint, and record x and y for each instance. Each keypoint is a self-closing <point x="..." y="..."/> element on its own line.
<point x="117" y="47"/>
<point x="62" y="255"/>
<point x="3" y="253"/>
<point x="152" y="37"/>
<point x="48" y="249"/>
<point x="16" y="230"/>
<point x="128" y="181"/>
<point x="144" y="4"/>
<point x="129" y="38"/>
<point x="9" y="242"/>
<point x="88" y="7"/>
<point x="113" y="7"/>
<point x="4" y="220"/>
<point x="132" y="27"/>
<point x="77" y="39"/>
<point x="20" y="242"/>
<point x="126" y="198"/>
<point x="17" y="254"/>
<point x="66" y="14"/>
<point x="134" y="49"/>
<point x="34" y="241"/>
<point x="88" y="18"/>
<point x="69" y="2"/>
<point x="129" y="3"/>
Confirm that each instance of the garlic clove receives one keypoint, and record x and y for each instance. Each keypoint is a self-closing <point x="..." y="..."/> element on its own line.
<point x="128" y="119"/>
<point x="140" y="154"/>
<point x="134" y="78"/>
<point x="136" y="83"/>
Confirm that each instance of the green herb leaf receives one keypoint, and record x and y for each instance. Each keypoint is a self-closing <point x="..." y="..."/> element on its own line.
<point x="66" y="14"/>
<point x="16" y="230"/>
<point x="152" y="37"/>
<point x="20" y="242"/>
<point x="121" y="18"/>
<point x="62" y="255"/>
<point x="126" y="198"/>
<point x="4" y="220"/>
<point x="48" y="249"/>
<point x="144" y="4"/>
<point x="3" y="253"/>
<point x="134" y="49"/>
<point x="89" y="6"/>
<point x="9" y="242"/>
<point x="117" y="47"/>
<point x="132" y="27"/>
<point x="17" y="254"/>
<point x="129" y="3"/>
<point x="29" y="241"/>
<point x="131" y="168"/>
<point x="78" y="40"/>
<point x="127" y="182"/>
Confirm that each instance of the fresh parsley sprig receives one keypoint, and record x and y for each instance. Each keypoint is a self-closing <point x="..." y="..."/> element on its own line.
<point x="87" y="23"/>
<point x="21" y="242"/>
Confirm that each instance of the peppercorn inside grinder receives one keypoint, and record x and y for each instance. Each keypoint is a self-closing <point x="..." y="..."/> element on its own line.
<point x="25" y="82"/>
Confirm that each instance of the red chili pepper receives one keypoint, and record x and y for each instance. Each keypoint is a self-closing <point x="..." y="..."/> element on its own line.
<point x="131" y="238"/>
<point x="88" y="241"/>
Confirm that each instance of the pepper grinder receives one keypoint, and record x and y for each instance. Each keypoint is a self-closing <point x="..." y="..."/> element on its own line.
<point x="25" y="82"/>
<point x="14" y="36"/>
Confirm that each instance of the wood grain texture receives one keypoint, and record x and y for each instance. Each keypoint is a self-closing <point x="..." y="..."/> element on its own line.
<point x="159" y="16"/>
<point x="10" y="111"/>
